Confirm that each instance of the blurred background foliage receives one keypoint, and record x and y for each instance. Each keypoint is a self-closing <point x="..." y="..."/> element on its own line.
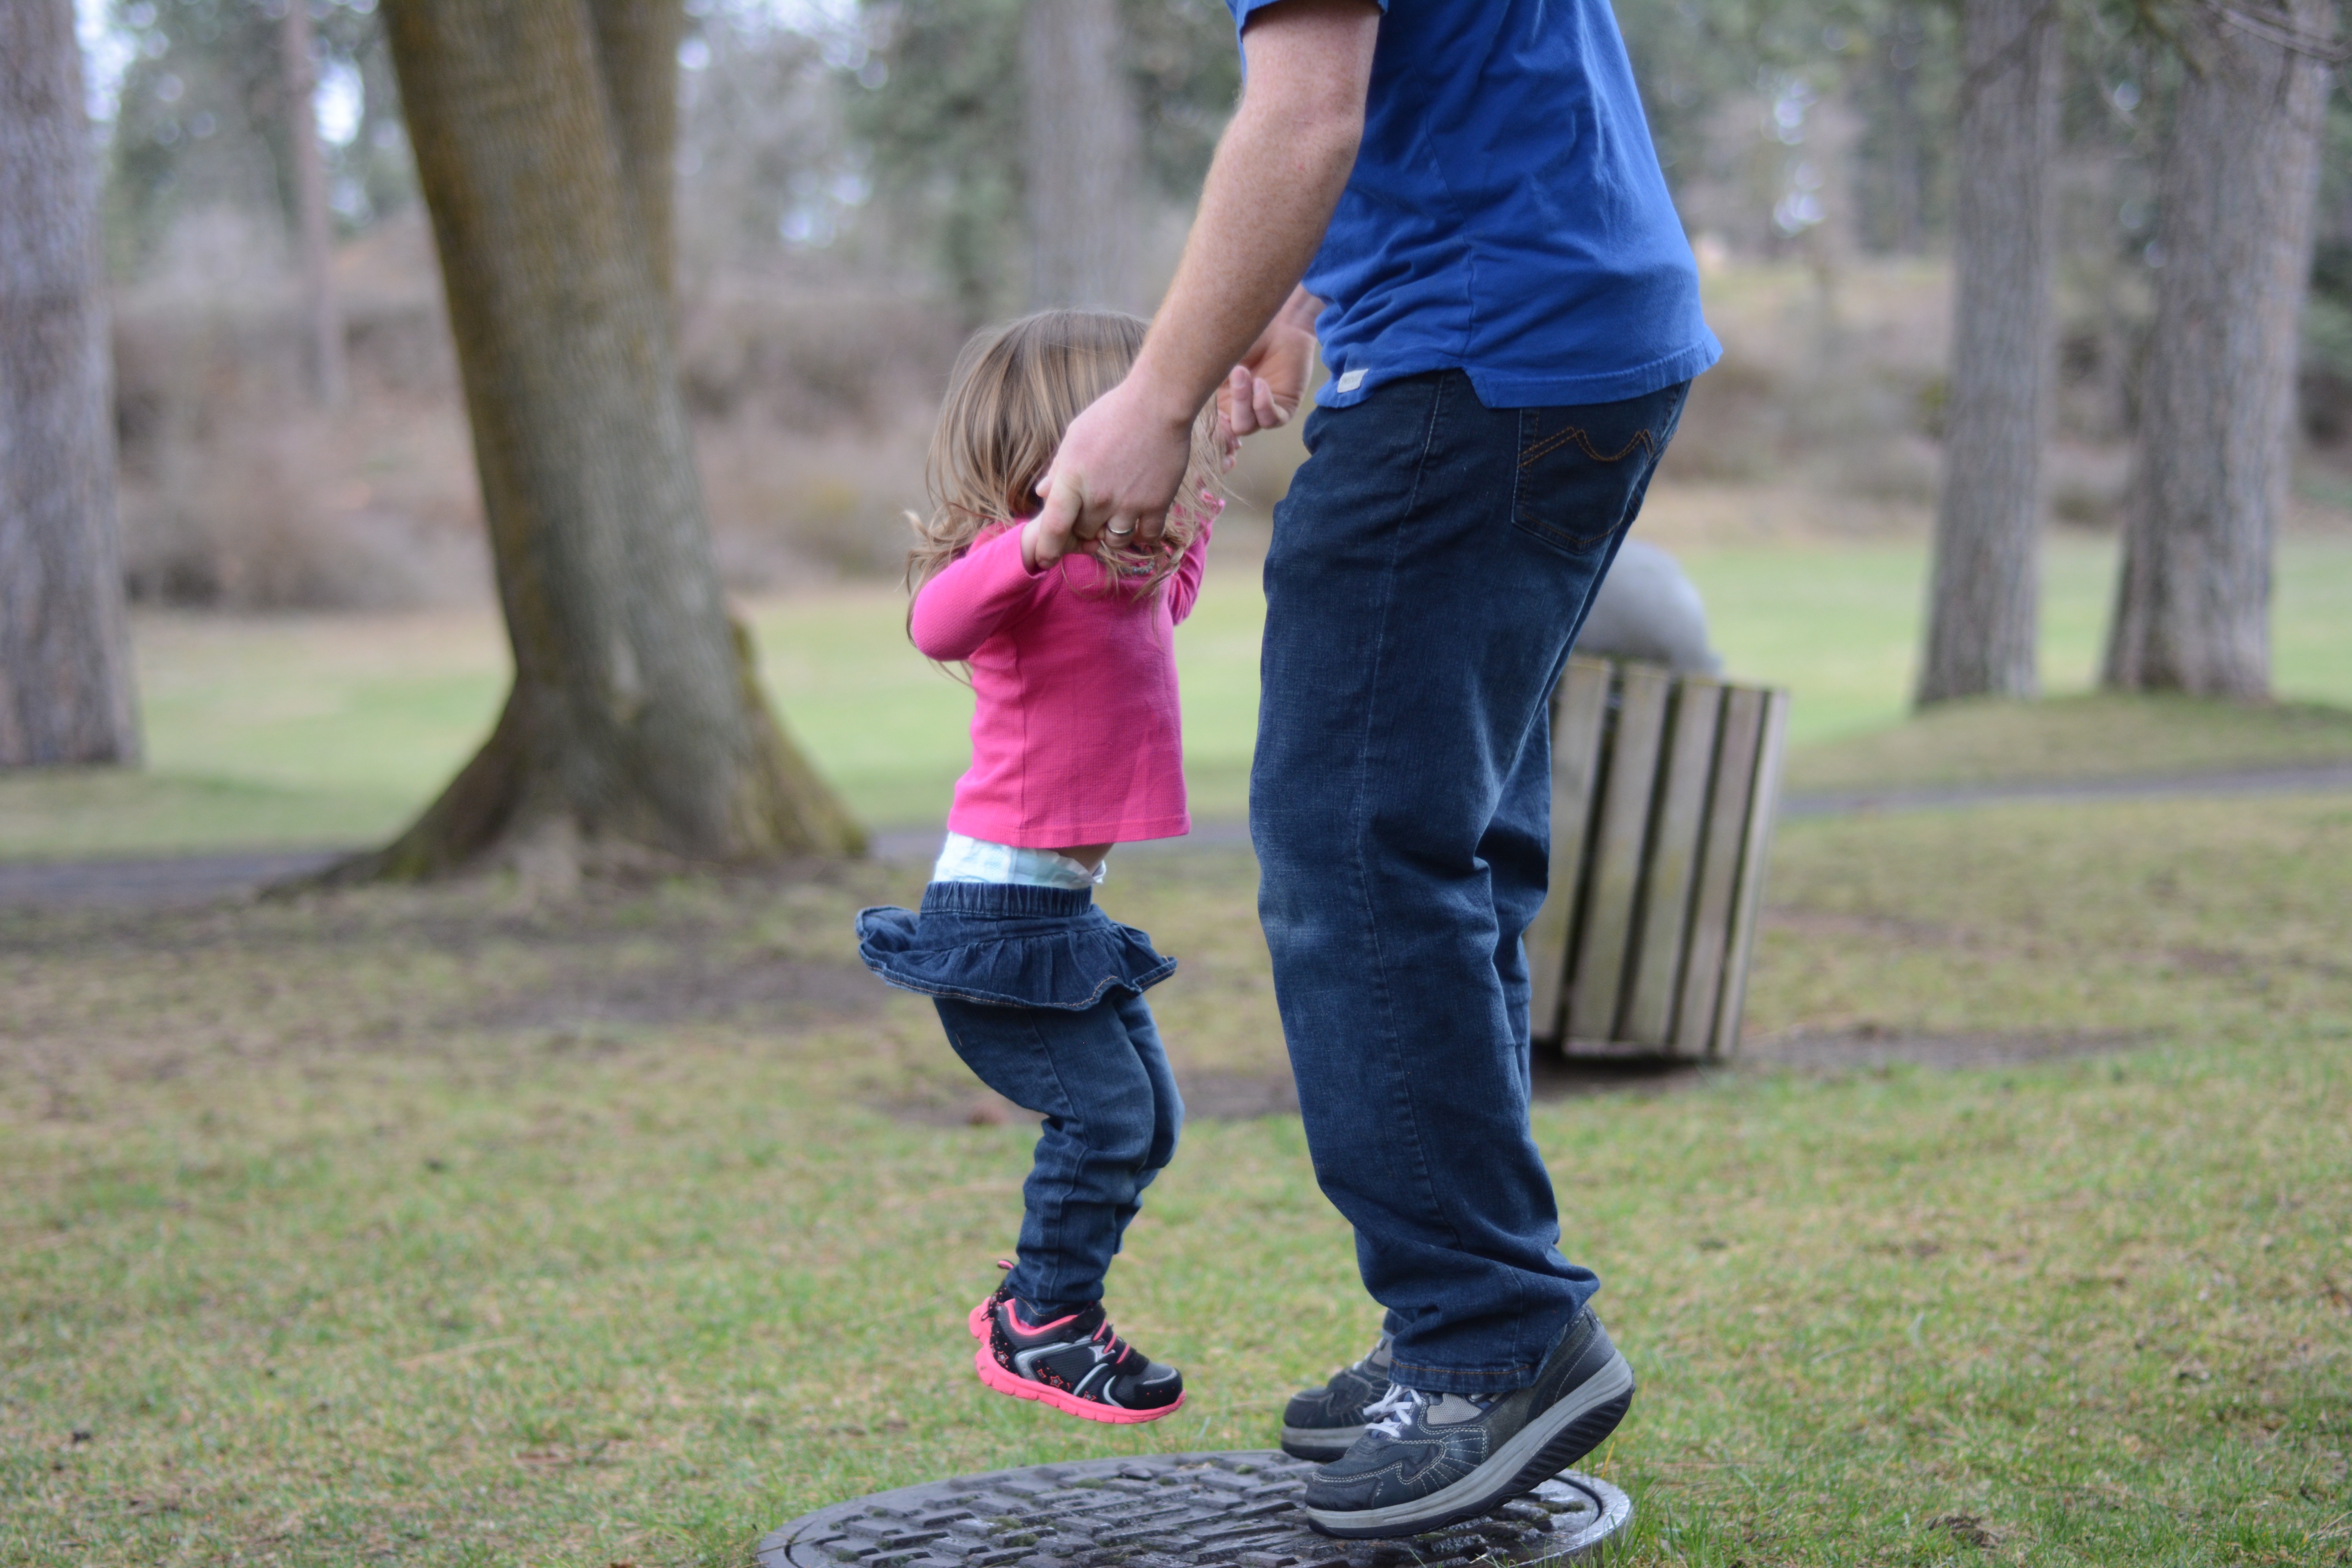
<point x="851" y="202"/>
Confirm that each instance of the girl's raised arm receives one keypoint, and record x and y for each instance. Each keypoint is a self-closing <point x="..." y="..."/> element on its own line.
<point x="976" y="595"/>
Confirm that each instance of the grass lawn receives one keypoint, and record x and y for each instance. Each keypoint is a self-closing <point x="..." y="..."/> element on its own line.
<point x="444" y="1228"/>
<point x="303" y="730"/>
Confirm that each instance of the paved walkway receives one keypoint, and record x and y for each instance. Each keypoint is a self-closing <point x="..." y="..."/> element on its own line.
<point x="177" y="881"/>
<point x="2322" y="776"/>
<point x="184" y="881"/>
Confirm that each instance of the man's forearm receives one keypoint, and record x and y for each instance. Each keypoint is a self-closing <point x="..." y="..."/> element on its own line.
<point x="1278" y="171"/>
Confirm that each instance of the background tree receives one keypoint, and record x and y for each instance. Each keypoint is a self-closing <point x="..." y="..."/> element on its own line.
<point x="205" y="113"/>
<point x="2326" y="379"/>
<point x="314" y="238"/>
<point x="1983" y="597"/>
<point x="64" y="664"/>
<point x="542" y="148"/>
<point x="942" y="111"/>
<point x="2210" y="458"/>
<point x="1079" y="155"/>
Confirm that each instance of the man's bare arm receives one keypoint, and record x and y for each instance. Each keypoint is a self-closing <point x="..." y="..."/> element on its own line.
<point x="1279" y="169"/>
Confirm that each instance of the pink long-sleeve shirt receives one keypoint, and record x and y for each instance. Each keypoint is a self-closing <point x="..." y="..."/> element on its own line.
<point x="1075" y="733"/>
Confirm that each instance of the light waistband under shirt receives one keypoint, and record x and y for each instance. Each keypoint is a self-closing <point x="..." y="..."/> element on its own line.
<point x="967" y="859"/>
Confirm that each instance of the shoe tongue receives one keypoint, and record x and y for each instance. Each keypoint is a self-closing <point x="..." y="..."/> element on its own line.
<point x="1382" y="1353"/>
<point x="1450" y="1409"/>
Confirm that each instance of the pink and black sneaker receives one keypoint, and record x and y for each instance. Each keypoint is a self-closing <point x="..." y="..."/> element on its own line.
<point x="1073" y="1363"/>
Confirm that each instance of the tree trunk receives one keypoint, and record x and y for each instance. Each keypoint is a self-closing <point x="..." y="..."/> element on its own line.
<point x="1081" y="155"/>
<point x="314" y="237"/>
<point x="2208" y="471"/>
<point x="1983" y="598"/>
<point x="637" y="42"/>
<point x="65" y="660"/>
<point x="635" y="722"/>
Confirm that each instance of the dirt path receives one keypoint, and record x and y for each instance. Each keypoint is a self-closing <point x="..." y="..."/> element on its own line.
<point x="178" y="881"/>
<point x="2301" y="780"/>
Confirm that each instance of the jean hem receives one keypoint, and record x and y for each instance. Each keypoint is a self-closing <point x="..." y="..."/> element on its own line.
<point x="1458" y="1380"/>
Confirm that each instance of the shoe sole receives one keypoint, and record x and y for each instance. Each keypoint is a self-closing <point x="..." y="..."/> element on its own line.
<point x="1555" y="1439"/>
<point x="1003" y="1381"/>
<point x="1321" y="1444"/>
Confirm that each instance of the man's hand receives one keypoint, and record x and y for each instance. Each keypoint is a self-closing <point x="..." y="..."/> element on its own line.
<point x="1277" y="174"/>
<point x="1115" y="474"/>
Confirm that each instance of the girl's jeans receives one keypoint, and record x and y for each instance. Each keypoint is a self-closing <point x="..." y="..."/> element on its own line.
<point x="1429" y="571"/>
<point x="1101" y="1082"/>
<point x="1042" y="996"/>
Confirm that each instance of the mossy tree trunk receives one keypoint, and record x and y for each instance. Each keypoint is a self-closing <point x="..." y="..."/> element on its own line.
<point x="1984" y="597"/>
<point x="542" y="132"/>
<point x="65" y="660"/>
<point x="2208" y="469"/>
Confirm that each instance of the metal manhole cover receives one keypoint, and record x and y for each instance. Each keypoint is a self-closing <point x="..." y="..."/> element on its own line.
<point x="1174" y="1510"/>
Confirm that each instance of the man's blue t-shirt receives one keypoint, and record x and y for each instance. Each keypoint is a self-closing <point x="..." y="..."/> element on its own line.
<point x="1507" y="215"/>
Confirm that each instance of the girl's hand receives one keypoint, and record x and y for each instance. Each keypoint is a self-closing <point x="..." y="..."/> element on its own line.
<point x="1262" y="392"/>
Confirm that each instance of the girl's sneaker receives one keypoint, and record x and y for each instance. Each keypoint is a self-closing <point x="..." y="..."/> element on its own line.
<point x="1073" y="1363"/>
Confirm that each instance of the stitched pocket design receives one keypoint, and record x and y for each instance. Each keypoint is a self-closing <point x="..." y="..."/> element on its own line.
<point x="1579" y="479"/>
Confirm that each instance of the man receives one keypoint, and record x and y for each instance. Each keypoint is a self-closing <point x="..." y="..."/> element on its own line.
<point x="1510" y="312"/>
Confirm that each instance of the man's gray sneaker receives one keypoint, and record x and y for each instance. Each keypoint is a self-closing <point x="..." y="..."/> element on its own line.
<point x="1428" y="1460"/>
<point x="1324" y="1422"/>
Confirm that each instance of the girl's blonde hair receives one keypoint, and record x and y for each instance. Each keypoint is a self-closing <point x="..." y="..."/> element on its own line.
<point x="1013" y="392"/>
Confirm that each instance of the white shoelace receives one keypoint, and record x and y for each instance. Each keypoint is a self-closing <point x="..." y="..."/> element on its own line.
<point x="1389" y="1412"/>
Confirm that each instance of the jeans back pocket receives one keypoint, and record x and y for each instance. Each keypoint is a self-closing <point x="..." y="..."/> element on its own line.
<point x="1582" y="470"/>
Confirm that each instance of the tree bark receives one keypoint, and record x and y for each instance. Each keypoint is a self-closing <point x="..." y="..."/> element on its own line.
<point x="635" y="722"/>
<point x="65" y="660"/>
<point x="1081" y="155"/>
<point x="1983" y="600"/>
<point x="2210" y="459"/>
<point x="637" y="41"/>
<point x="314" y="238"/>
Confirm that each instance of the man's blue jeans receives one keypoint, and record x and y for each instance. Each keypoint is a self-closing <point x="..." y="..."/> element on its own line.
<point x="1429" y="571"/>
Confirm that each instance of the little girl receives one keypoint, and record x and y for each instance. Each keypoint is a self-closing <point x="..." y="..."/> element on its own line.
<point x="1075" y="747"/>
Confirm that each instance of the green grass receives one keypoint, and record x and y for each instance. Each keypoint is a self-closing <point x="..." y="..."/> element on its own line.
<point x="448" y="1227"/>
<point x="1838" y="623"/>
<point x="2093" y="736"/>
<point x="301" y="731"/>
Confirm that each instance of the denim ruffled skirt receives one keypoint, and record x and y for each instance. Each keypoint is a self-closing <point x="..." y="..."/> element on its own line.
<point x="1009" y="946"/>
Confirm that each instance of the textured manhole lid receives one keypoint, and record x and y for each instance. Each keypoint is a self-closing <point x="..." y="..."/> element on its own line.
<point x="1173" y="1510"/>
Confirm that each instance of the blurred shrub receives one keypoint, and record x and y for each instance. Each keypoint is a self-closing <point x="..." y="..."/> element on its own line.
<point x="2327" y="344"/>
<point x="812" y="394"/>
<point x="1828" y="377"/>
<point x="807" y="358"/>
<point x="2084" y="484"/>
<point x="1731" y="426"/>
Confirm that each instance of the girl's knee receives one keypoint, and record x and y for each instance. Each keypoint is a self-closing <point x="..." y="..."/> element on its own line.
<point x="1167" y="1127"/>
<point x="1130" y="1133"/>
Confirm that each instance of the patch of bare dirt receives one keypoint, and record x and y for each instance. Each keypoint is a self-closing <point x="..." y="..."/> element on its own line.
<point x="1874" y="1046"/>
<point x="749" y="989"/>
<point x="1240" y="1097"/>
<point x="1208" y="1097"/>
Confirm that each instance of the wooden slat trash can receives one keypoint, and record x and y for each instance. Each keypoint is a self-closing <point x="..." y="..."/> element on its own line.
<point x="1664" y="789"/>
